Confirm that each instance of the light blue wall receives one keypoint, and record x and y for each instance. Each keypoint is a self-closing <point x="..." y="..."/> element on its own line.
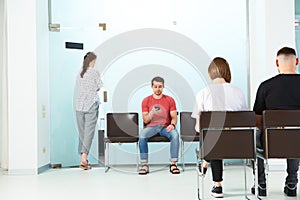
<point x="176" y="42"/>
<point x="297" y="7"/>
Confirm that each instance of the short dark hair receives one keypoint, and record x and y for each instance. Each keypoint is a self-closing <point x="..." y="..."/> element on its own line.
<point x="286" y="51"/>
<point x="158" y="79"/>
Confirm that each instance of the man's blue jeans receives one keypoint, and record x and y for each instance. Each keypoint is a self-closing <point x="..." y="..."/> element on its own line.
<point x="149" y="132"/>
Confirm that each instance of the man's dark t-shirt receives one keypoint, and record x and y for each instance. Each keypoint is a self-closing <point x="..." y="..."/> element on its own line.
<point x="282" y="92"/>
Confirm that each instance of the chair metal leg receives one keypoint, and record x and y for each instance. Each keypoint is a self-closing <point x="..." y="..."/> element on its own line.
<point x="202" y="180"/>
<point x="107" y="157"/>
<point x="200" y="158"/>
<point x="255" y="169"/>
<point x="198" y="184"/>
<point x="200" y="191"/>
<point x="245" y="178"/>
<point x="256" y="179"/>
<point x="137" y="157"/>
<point x="182" y="155"/>
<point x="267" y="169"/>
<point x="197" y="174"/>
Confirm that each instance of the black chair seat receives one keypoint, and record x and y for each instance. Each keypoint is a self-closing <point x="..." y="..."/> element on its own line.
<point x="190" y="138"/>
<point x="121" y="139"/>
<point x="159" y="139"/>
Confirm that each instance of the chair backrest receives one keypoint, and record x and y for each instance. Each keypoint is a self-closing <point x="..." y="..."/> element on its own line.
<point x="227" y="135"/>
<point x="122" y="127"/>
<point x="282" y="133"/>
<point x="187" y="127"/>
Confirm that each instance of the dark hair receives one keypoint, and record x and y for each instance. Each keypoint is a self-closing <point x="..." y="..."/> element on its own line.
<point x="286" y="51"/>
<point x="89" y="57"/>
<point x="158" y="79"/>
<point x="219" y="68"/>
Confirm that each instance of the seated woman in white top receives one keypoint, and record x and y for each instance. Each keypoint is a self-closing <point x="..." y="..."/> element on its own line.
<point x="220" y="95"/>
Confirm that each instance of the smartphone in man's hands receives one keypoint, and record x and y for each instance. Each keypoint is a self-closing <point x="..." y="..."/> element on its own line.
<point x="157" y="108"/>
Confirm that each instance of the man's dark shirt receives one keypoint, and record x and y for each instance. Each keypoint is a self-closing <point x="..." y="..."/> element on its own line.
<point x="282" y="92"/>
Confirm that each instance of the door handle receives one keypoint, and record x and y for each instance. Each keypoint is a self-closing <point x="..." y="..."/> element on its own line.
<point x="103" y="26"/>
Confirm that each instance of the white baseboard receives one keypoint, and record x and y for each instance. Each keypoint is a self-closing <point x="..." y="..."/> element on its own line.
<point x="22" y="172"/>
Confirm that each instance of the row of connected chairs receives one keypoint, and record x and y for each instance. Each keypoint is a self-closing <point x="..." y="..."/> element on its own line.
<point x="231" y="135"/>
<point x="124" y="128"/>
<point x="223" y="135"/>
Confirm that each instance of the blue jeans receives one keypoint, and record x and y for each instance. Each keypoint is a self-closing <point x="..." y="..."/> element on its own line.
<point x="149" y="132"/>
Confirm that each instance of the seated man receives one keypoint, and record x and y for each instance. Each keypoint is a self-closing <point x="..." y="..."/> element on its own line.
<point x="160" y="117"/>
<point x="281" y="92"/>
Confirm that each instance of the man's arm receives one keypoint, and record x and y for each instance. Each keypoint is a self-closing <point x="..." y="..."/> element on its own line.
<point x="146" y="117"/>
<point x="173" y="122"/>
<point x="173" y="117"/>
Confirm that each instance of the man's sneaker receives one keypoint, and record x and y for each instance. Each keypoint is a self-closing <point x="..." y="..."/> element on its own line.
<point x="217" y="192"/>
<point x="262" y="190"/>
<point x="290" y="190"/>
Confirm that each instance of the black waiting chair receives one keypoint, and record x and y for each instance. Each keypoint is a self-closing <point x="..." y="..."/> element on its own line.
<point x="226" y="135"/>
<point x="158" y="138"/>
<point x="281" y="135"/>
<point x="121" y="128"/>
<point x="187" y="132"/>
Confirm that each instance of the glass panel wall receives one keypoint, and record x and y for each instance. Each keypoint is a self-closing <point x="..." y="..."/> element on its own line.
<point x="174" y="39"/>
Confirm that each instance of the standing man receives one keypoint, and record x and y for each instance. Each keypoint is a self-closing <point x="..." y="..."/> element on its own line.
<point x="160" y="117"/>
<point x="281" y="92"/>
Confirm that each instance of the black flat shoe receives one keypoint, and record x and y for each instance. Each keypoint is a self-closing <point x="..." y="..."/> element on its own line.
<point x="200" y="170"/>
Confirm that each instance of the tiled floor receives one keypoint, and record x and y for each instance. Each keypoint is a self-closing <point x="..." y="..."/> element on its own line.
<point x="124" y="183"/>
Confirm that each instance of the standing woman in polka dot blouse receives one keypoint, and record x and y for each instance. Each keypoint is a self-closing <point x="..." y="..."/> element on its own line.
<point x="87" y="105"/>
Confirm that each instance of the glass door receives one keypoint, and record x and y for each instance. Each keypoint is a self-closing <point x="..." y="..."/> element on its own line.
<point x="172" y="39"/>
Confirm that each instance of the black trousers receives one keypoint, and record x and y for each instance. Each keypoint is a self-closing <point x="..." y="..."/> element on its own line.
<point x="217" y="170"/>
<point x="292" y="165"/>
